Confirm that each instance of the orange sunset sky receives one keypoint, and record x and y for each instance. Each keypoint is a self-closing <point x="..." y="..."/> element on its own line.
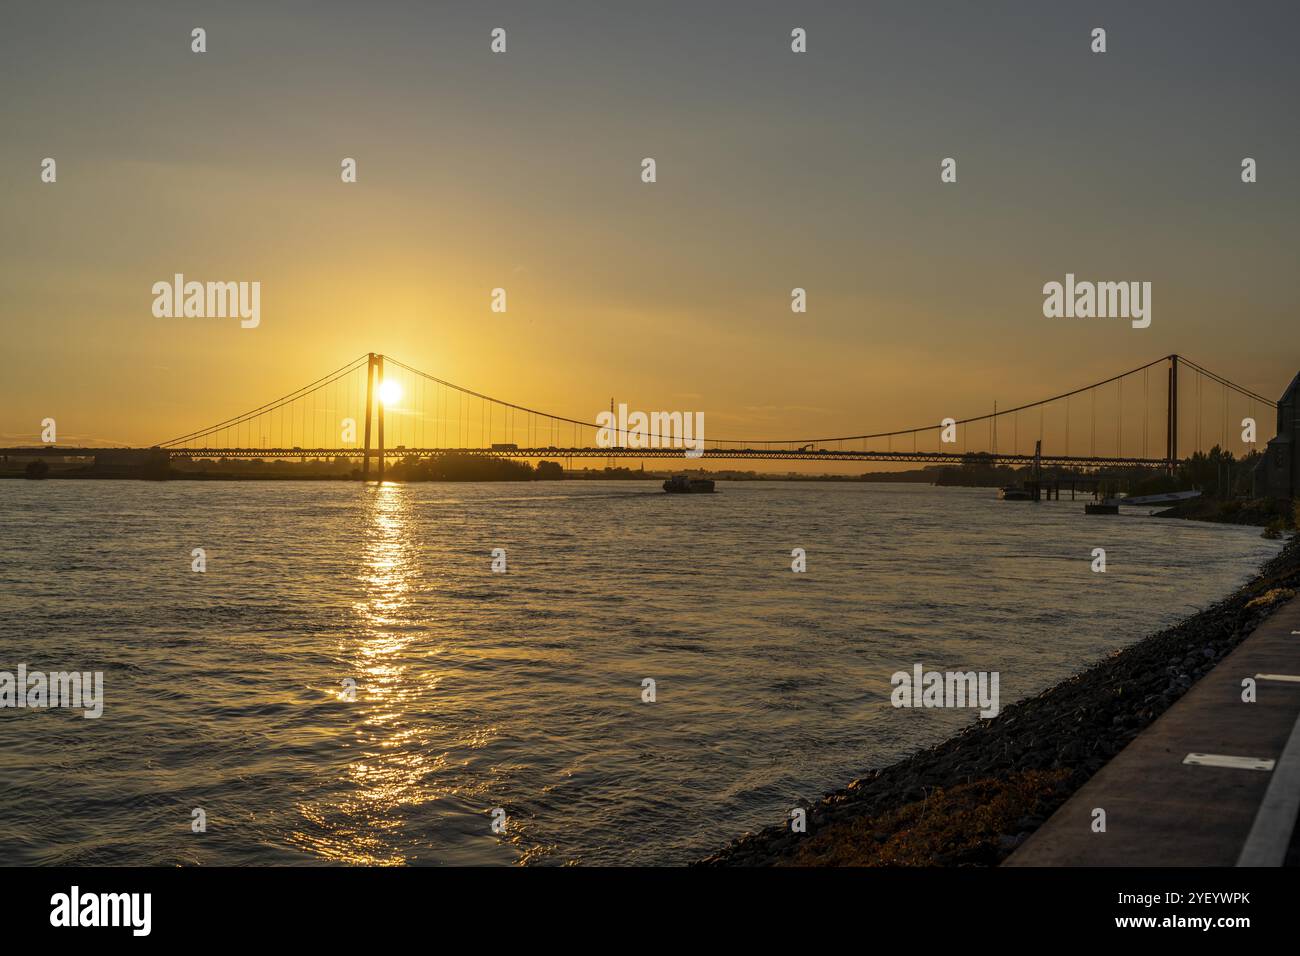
<point x="522" y="170"/>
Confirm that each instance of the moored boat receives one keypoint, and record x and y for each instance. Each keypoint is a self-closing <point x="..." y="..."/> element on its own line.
<point x="682" y="484"/>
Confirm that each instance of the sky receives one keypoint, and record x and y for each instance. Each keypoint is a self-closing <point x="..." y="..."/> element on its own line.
<point x="522" y="171"/>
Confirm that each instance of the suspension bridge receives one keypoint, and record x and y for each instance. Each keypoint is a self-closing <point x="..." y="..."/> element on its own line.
<point x="377" y="409"/>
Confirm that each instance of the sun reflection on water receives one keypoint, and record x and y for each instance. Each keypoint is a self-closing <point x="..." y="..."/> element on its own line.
<point x="362" y="821"/>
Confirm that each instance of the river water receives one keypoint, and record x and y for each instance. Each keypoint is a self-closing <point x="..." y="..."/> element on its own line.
<point x="227" y="691"/>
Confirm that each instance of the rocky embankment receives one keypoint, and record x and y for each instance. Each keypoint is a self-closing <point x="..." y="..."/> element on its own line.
<point x="974" y="798"/>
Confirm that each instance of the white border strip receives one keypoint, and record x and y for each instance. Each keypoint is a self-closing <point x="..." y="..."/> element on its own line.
<point x="1270" y="835"/>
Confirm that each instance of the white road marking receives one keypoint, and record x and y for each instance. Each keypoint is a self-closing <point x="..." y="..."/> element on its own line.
<point x="1294" y="678"/>
<point x="1223" y="760"/>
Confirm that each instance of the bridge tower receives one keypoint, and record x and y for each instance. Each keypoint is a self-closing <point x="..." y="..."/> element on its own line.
<point x="379" y="370"/>
<point x="370" y="398"/>
<point x="374" y="369"/>
<point x="1171" y="417"/>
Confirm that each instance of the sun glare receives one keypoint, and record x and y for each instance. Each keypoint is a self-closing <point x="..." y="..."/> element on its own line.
<point x="390" y="391"/>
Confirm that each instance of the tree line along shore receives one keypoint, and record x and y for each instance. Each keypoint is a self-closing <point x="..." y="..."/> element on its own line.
<point x="1217" y="474"/>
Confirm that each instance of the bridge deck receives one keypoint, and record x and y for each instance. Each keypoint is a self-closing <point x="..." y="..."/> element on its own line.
<point x="551" y="452"/>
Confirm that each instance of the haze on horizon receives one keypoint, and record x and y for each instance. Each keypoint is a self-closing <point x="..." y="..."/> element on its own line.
<point x="522" y="171"/>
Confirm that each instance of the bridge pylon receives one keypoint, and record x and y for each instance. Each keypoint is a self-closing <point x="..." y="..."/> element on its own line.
<point x="1171" y="417"/>
<point x="379" y="371"/>
<point x="370" y="405"/>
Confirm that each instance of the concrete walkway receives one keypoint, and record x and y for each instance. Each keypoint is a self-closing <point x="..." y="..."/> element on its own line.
<point x="1170" y="798"/>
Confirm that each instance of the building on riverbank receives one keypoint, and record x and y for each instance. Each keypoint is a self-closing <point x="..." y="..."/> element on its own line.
<point x="1278" y="473"/>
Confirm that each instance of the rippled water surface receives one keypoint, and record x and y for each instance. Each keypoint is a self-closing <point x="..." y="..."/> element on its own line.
<point x="476" y="690"/>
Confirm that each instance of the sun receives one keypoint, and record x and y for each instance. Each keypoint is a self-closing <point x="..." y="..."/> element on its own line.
<point x="390" y="391"/>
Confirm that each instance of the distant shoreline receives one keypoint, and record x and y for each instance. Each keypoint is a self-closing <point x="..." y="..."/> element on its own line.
<point x="915" y="477"/>
<point x="619" y="474"/>
<point x="975" y="797"/>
